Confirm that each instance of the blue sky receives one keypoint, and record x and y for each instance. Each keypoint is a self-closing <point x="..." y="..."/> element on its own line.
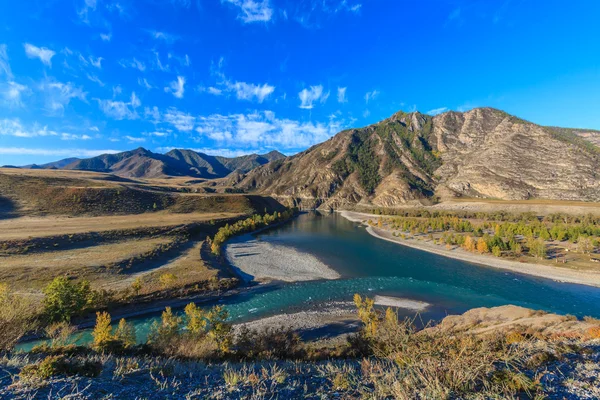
<point x="84" y="77"/>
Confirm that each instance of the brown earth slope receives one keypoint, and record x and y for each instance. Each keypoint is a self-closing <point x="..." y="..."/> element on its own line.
<point x="416" y="158"/>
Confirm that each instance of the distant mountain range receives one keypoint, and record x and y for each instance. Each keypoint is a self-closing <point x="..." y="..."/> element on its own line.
<point x="407" y="158"/>
<point x="413" y="157"/>
<point x="142" y="163"/>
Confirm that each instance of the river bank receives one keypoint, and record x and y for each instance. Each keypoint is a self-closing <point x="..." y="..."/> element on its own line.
<point x="258" y="260"/>
<point x="558" y="274"/>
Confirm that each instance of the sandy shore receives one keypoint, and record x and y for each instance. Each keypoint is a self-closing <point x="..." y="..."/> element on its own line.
<point x="332" y="320"/>
<point x="261" y="260"/>
<point x="400" y="303"/>
<point x="545" y="271"/>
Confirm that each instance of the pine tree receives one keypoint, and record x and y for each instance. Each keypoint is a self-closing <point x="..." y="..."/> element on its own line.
<point x="125" y="333"/>
<point x="102" y="333"/>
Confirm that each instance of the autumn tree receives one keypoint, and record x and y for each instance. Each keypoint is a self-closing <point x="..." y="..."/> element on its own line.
<point x="482" y="246"/>
<point x="125" y="333"/>
<point x="469" y="244"/>
<point x="102" y="332"/>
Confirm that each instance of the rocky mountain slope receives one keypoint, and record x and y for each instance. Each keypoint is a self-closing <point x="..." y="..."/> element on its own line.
<point x="142" y="163"/>
<point x="413" y="157"/>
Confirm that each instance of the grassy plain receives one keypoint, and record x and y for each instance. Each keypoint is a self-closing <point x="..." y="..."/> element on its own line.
<point x="130" y="237"/>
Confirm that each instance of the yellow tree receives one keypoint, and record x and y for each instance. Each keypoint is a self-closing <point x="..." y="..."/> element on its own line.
<point x="469" y="244"/>
<point x="482" y="246"/>
<point x="125" y="333"/>
<point x="196" y="319"/>
<point x="102" y="333"/>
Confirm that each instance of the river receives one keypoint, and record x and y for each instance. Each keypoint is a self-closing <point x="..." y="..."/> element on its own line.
<point x="370" y="266"/>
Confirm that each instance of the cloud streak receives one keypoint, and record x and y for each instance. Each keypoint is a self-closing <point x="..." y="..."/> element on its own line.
<point x="312" y="95"/>
<point x="177" y="87"/>
<point x="251" y="11"/>
<point x="44" y="54"/>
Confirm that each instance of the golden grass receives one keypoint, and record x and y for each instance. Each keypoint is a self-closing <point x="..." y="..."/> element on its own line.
<point x="34" y="271"/>
<point x="27" y="227"/>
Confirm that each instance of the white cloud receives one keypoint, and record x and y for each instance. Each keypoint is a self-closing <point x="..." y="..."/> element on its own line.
<point x="371" y="96"/>
<point x="96" y="62"/>
<point x="177" y="87"/>
<point x="252" y="11"/>
<point x="120" y="110"/>
<point x="144" y="83"/>
<point x="58" y="95"/>
<point x="214" y="91"/>
<point x="312" y="95"/>
<point x="13" y="127"/>
<point x="133" y="64"/>
<point x="159" y="64"/>
<point x="88" y="5"/>
<point x="44" y="54"/>
<point x="250" y="91"/>
<point x="158" y="133"/>
<point x="117" y="90"/>
<point x="12" y="92"/>
<point x="95" y="79"/>
<point x="135" y="139"/>
<point x="220" y="152"/>
<point x="341" y="95"/>
<point x="4" y="64"/>
<point x="70" y="136"/>
<point x="437" y="111"/>
<point x="167" y="37"/>
<point x="181" y="121"/>
<point x="152" y="114"/>
<point x="106" y="36"/>
<point x="264" y="129"/>
<point x="55" y="152"/>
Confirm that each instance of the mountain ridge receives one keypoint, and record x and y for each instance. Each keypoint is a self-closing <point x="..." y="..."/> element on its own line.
<point x="142" y="163"/>
<point x="415" y="158"/>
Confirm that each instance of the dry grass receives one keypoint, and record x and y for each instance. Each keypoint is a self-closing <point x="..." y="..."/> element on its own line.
<point x="26" y="227"/>
<point x="34" y="271"/>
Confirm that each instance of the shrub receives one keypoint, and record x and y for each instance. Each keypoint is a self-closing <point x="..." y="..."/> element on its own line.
<point x="163" y="335"/>
<point x="17" y="317"/>
<point x="105" y="340"/>
<point x="60" y="365"/>
<point x="496" y="251"/>
<point x="270" y="343"/>
<point x="432" y="363"/>
<point x="167" y="279"/>
<point x="125" y="333"/>
<point x="65" y="299"/>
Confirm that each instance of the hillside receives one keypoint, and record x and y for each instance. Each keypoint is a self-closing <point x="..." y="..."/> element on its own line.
<point x="416" y="158"/>
<point x="142" y="163"/>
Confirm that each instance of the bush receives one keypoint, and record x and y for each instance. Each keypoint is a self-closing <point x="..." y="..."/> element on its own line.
<point x="270" y="343"/>
<point x="60" y="365"/>
<point x="17" y="317"/>
<point x="247" y="225"/>
<point x="65" y="299"/>
<point x="106" y="341"/>
<point x="432" y="363"/>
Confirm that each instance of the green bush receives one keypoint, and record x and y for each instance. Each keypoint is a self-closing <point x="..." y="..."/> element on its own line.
<point x="60" y="365"/>
<point x="65" y="299"/>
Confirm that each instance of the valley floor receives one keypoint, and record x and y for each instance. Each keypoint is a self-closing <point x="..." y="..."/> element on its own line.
<point x="561" y="274"/>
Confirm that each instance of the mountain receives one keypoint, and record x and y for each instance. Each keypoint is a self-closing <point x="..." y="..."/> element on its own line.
<point x="413" y="157"/>
<point x="142" y="163"/>
<point x="138" y="163"/>
<point x="53" y="165"/>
